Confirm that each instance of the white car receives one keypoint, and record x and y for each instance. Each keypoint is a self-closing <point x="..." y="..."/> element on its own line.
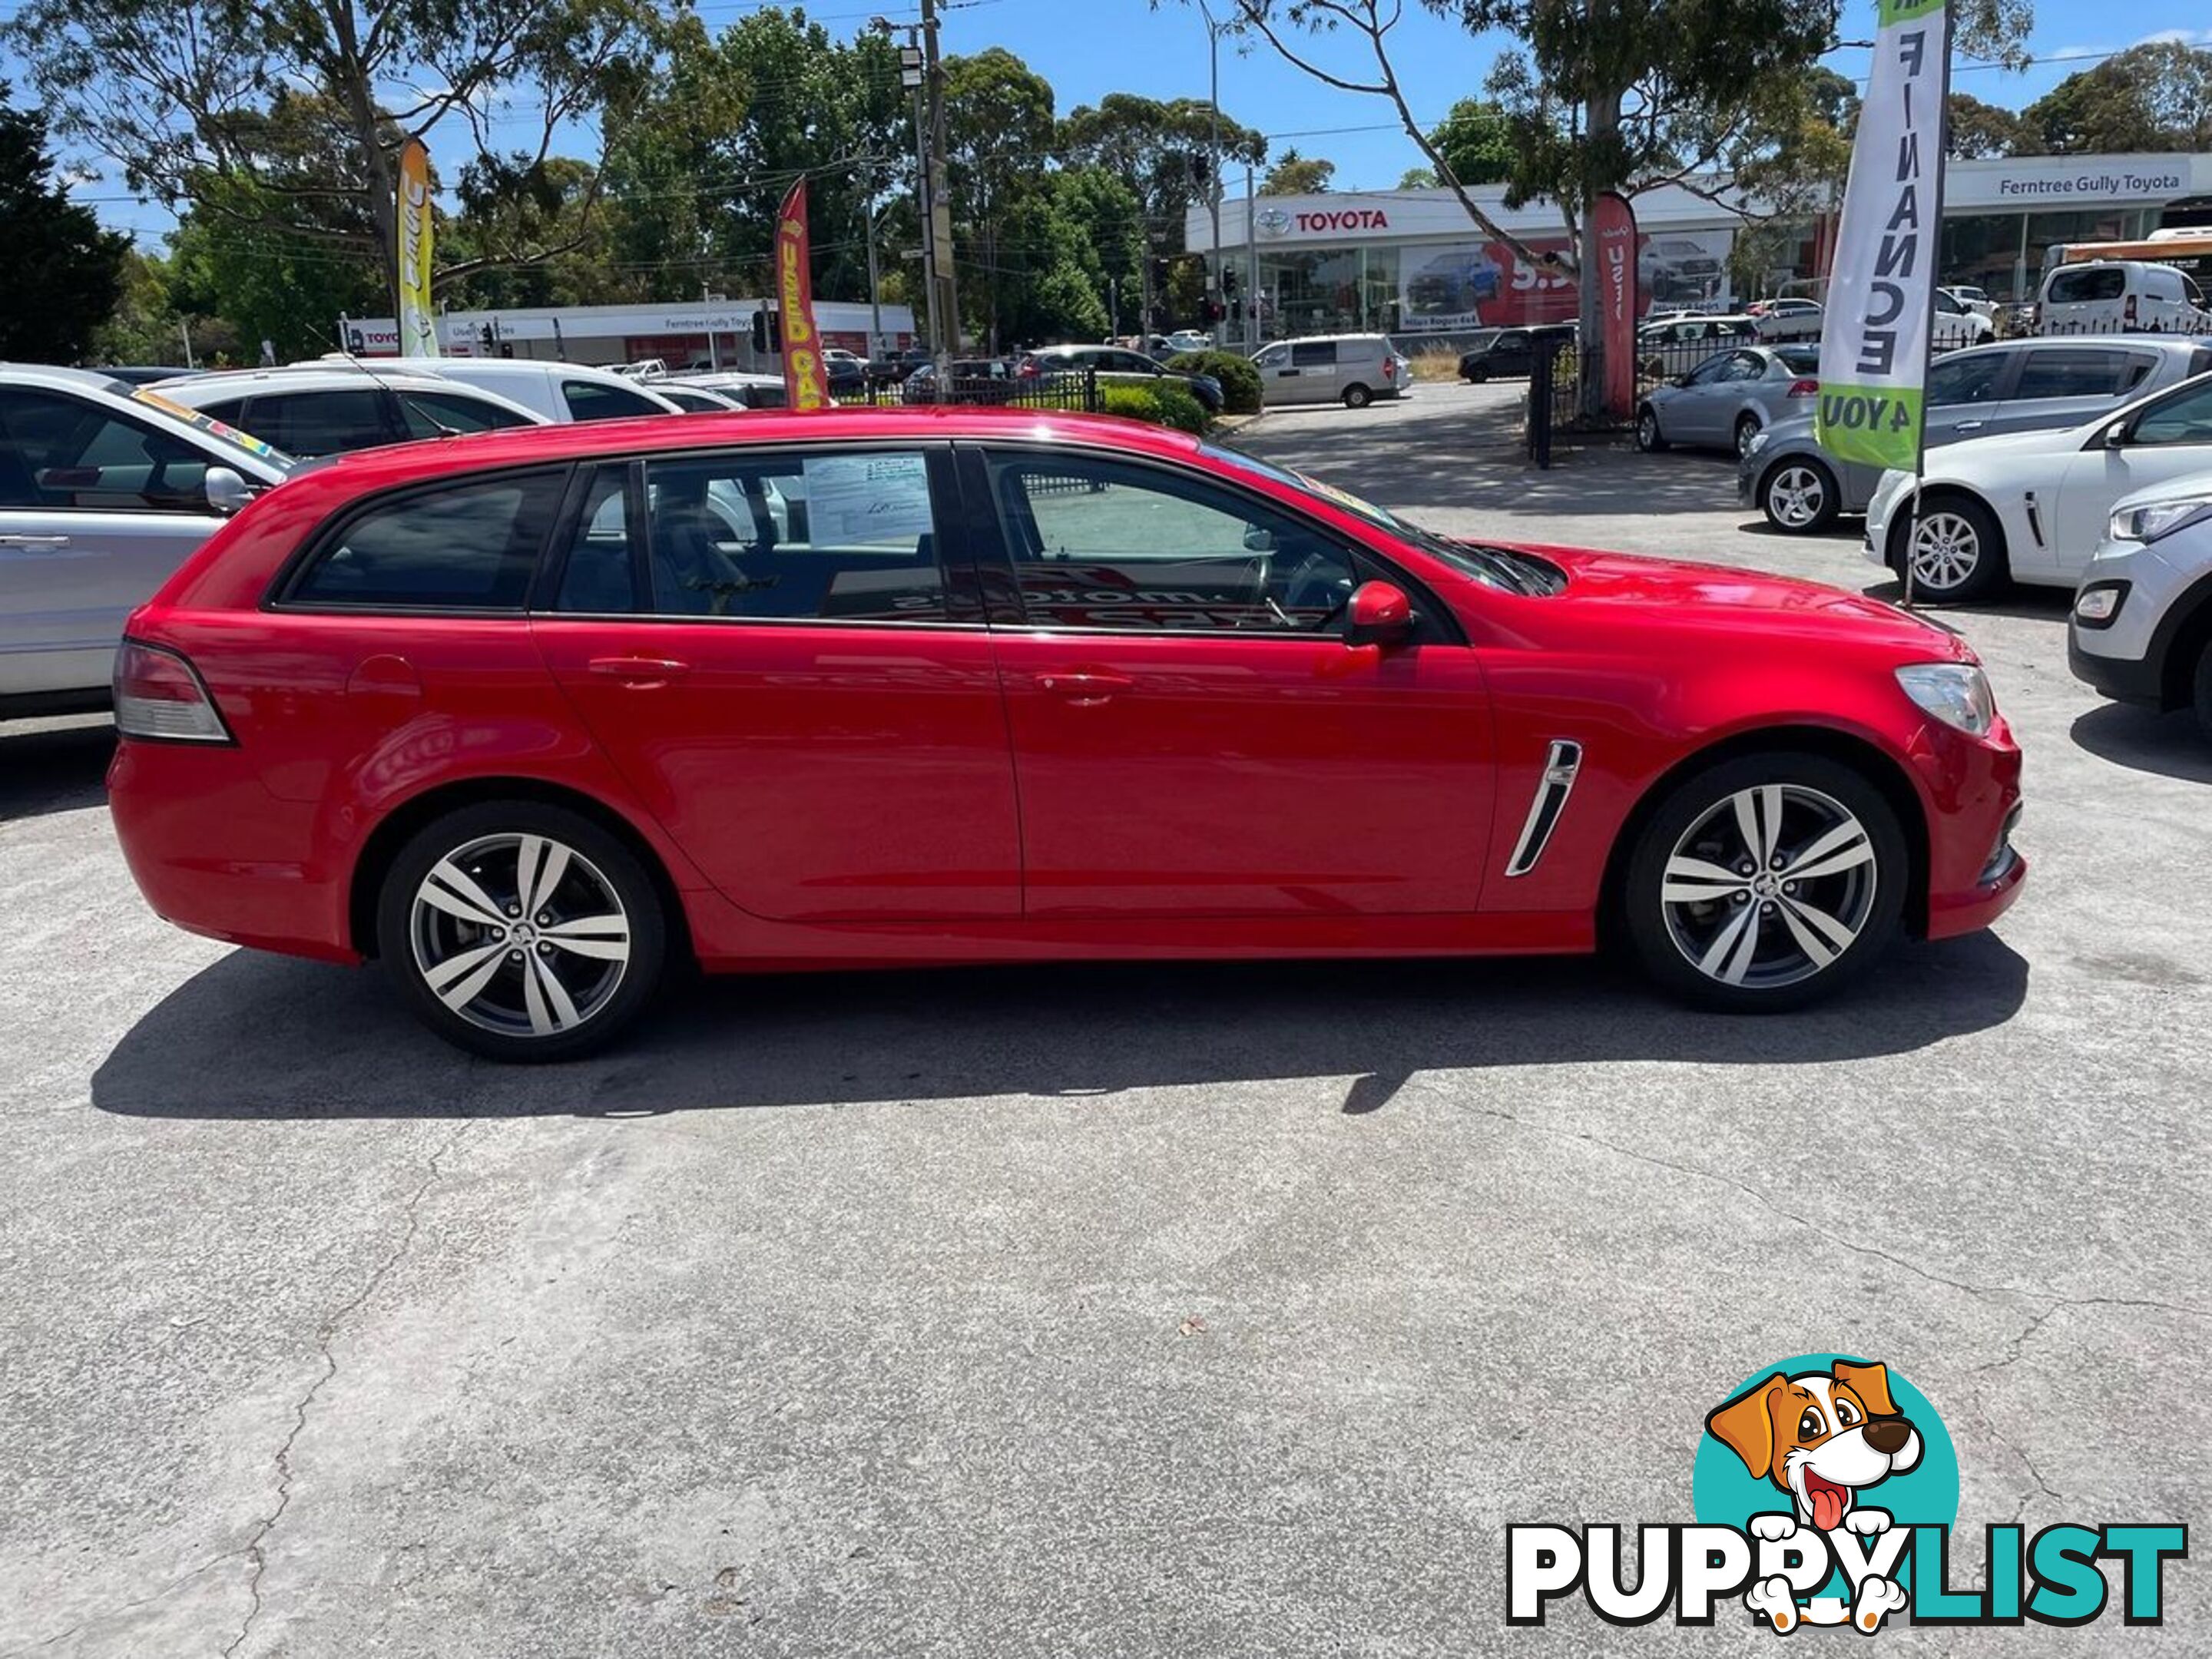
<point x="562" y="392"/>
<point x="2033" y="506"/>
<point x="1190" y="339"/>
<point x="310" y="412"/>
<point x="2142" y="626"/>
<point x="1958" y="323"/>
<point x="104" y="492"/>
<point x="1975" y="299"/>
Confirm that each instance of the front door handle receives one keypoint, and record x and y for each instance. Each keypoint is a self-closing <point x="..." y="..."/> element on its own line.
<point x="1969" y="426"/>
<point x="640" y="670"/>
<point x="34" y="540"/>
<point x="1083" y="688"/>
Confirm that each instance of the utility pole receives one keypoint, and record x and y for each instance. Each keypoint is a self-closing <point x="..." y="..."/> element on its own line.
<point x="946" y="344"/>
<point x="1218" y="330"/>
<point x="912" y="76"/>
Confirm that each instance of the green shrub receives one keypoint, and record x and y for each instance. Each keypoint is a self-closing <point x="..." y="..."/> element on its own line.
<point x="1240" y="381"/>
<point x="1166" y="404"/>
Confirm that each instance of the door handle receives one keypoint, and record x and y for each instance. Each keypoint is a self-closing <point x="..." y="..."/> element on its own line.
<point x="640" y="670"/>
<point x="34" y="540"/>
<point x="1969" y="426"/>
<point x="1080" y="689"/>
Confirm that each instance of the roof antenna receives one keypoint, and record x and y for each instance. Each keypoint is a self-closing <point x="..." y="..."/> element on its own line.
<point x="346" y="354"/>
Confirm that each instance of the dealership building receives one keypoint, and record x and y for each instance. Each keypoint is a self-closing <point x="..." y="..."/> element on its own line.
<point x="1410" y="262"/>
<point x="716" y="333"/>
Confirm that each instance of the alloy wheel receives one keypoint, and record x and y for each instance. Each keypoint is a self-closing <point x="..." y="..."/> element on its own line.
<point x="1745" y="432"/>
<point x="520" y="934"/>
<point x="1769" y="886"/>
<point x="1796" y="496"/>
<point x="1946" y="549"/>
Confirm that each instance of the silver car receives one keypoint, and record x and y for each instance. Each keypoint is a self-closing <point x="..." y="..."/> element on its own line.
<point x="1729" y="398"/>
<point x="104" y="490"/>
<point x="2015" y="385"/>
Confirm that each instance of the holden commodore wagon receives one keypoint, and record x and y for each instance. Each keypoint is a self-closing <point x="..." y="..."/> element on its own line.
<point x="530" y="716"/>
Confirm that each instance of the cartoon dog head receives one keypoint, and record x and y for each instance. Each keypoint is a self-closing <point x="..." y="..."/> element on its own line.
<point x="1819" y="1436"/>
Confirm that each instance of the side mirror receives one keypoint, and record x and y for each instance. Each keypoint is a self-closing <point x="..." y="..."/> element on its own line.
<point x="1378" y="613"/>
<point x="226" y="492"/>
<point x="1257" y="540"/>
<point x="2116" y="435"/>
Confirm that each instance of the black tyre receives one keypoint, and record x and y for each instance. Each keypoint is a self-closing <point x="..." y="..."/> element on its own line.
<point x="1798" y="496"/>
<point x="2201" y="688"/>
<point x="1648" y="437"/>
<point x="1358" y="397"/>
<point x="1747" y="429"/>
<point x="1477" y="376"/>
<point x="1956" y="548"/>
<point x="522" y="932"/>
<point x="1766" y="882"/>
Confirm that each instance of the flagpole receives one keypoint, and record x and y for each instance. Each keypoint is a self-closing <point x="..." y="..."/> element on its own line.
<point x="1935" y="271"/>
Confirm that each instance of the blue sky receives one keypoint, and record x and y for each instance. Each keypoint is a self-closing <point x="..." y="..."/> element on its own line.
<point x="1087" y="48"/>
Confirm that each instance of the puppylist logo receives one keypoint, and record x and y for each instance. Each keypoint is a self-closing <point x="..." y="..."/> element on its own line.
<point x="1824" y="1491"/>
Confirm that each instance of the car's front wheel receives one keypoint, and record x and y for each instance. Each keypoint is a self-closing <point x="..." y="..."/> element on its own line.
<point x="1766" y="882"/>
<point x="1476" y="375"/>
<point x="1648" y="437"/>
<point x="522" y="931"/>
<point x="1954" y="552"/>
<point x="1798" y="496"/>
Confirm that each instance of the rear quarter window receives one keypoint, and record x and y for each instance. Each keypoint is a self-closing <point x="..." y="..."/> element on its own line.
<point x="470" y="545"/>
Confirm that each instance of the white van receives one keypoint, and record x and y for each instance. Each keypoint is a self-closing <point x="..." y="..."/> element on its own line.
<point x="2110" y="296"/>
<point x="1353" y="369"/>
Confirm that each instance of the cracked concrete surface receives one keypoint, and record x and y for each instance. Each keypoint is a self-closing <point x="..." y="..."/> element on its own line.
<point x="1115" y="1311"/>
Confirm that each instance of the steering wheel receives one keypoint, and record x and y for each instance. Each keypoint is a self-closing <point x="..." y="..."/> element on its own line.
<point x="1316" y="570"/>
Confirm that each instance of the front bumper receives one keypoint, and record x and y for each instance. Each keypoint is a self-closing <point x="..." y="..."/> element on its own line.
<point x="2124" y="679"/>
<point x="1973" y="784"/>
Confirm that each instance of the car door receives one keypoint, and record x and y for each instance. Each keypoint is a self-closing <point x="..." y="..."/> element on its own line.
<point x="96" y="510"/>
<point x="1966" y="395"/>
<point x="1697" y="413"/>
<point x="786" y="660"/>
<point x="2168" y="438"/>
<point x="1192" y="736"/>
<point x="329" y="420"/>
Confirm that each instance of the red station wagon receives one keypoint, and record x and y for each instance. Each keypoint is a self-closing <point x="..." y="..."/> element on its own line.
<point x="531" y="714"/>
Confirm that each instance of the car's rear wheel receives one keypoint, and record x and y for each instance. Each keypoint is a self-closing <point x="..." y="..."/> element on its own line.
<point x="1477" y="376"/>
<point x="1766" y="882"/>
<point x="1747" y="429"/>
<point x="1358" y="397"/>
<point x="2201" y="688"/>
<point x="1955" y="551"/>
<point x="1798" y="496"/>
<point x="522" y="931"/>
<point x="1648" y="439"/>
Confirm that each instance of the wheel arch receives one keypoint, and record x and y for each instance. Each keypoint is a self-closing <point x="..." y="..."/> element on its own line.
<point x="399" y="826"/>
<point x="2185" y="632"/>
<point x="1943" y="490"/>
<point x="1882" y="769"/>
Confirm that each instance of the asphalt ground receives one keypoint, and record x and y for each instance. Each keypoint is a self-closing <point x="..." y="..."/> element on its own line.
<point x="1180" y="1311"/>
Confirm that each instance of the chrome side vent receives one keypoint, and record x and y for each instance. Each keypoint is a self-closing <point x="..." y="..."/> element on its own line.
<point x="1551" y="791"/>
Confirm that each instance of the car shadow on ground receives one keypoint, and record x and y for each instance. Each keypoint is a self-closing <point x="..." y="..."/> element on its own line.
<point x="2172" y="746"/>
<point x="53" y="767"/>
<point x="261" y="1036"/>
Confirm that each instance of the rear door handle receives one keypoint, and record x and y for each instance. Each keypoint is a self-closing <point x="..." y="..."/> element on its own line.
<point x="34" y="540"/>
<point x="1969" y="426"/>
<point x="640" y="670"/>
<point x="1088" y="687"/>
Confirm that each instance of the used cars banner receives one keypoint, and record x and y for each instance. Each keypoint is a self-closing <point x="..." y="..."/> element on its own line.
<point x="418" y="318"/>
<point x="1874" y="349"/>
<point x="806" y="376"/>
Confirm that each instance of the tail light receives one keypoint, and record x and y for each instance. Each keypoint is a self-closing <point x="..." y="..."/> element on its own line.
<point x="159" y="698"/>
<point x="1804" y="388"/>
<point x="2129" y="315"/>
<point x="1390" y="368"/>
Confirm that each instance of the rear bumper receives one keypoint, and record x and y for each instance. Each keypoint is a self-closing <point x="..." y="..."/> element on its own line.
<point x="216" y="854"/>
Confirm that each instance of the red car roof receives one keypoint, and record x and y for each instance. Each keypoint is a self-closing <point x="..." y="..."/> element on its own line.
<point x="373" y="468"/>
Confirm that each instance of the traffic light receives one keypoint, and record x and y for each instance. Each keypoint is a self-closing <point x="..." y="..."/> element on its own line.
<point x="484" y="337"/>
<point x="1214" y="312"/>
<point x="768" y="331"/>
<point x="1229" y="281"/>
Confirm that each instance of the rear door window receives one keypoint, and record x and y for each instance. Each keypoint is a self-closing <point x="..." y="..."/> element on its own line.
<point x="310" y="423"/>
<point x="1313" y="354"/>
<point x="433" y="414"/>
<point x="847" y="536"/>
<point x="2074" y="372"/>
<point x="470" y="545"/>
<point x="593" y="400"/>
<point x="2079" y="287"/>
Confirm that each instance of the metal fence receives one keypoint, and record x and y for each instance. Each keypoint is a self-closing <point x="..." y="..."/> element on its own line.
<point x="1070" y="390"/>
